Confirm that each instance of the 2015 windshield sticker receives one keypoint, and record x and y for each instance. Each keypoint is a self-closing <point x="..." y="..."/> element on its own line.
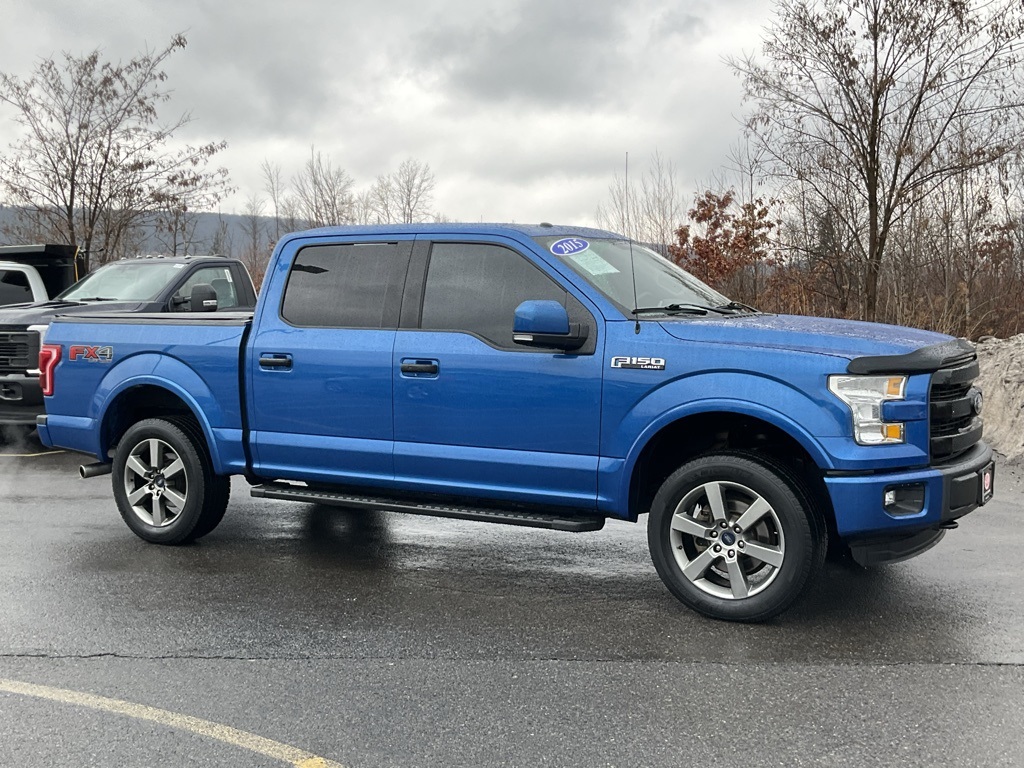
<point x="640" y="363"/>
<point x="569" y="245"/>
<point x="91" y="354"/>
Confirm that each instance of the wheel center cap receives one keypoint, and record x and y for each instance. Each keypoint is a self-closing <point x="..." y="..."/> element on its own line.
<point x="160" y="481"/>
<point x="728" y="538"/>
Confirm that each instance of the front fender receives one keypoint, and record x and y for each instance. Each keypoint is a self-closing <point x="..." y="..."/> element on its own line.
<point x="776" y="401"/>
<point x="760" y="397"/>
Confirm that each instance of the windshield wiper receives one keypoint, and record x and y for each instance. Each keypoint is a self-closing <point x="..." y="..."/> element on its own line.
<point x="686" y="309"/>
<point x="740" y="306"/>
<point x="671" y="309"/>
<point x="101" y="298"/>
<point x="59" y="303"/>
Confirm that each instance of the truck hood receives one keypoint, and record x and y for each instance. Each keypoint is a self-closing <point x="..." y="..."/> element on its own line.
<point x="43" y="312"/>
<point x="847" y="339"/>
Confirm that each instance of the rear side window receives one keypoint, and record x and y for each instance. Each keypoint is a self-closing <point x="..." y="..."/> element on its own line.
<point x="14" y="287"/>
<point x="476" y="287"/>
<point x="342" y="286"/>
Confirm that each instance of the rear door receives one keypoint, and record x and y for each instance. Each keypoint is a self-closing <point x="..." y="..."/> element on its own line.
<point x="320" y="362"/>
<point x="476" y="414"/>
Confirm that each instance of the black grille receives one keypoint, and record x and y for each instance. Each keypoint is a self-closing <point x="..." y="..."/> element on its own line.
<point x="955" y="426"/>
<point x="19" y="351"/>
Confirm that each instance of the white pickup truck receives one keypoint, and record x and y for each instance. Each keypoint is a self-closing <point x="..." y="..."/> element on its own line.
<point x="34" y="273"/>
<point x="20" y="283"/>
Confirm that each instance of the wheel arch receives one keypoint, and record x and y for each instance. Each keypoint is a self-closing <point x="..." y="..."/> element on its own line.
<point x="147" y="397"/>
<point x="679" y="437"/>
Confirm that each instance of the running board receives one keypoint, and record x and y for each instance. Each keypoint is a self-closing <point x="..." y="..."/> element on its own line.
<point x="531" y="519"/>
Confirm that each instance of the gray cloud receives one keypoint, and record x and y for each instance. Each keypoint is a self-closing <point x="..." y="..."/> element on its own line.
<point x="524" y="109"/>
<point x="552" y="52"/>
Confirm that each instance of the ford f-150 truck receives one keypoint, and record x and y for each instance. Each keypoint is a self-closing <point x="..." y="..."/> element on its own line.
<point x="534" y="375"/>
<point x="141" y="284"/>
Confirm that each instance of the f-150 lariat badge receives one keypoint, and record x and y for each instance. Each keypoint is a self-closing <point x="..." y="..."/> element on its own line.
<point x="642" y="363"/>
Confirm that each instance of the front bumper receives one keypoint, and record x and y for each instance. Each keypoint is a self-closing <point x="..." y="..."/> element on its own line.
<point x="950" y="491"/>
<point x="21" y="400"/>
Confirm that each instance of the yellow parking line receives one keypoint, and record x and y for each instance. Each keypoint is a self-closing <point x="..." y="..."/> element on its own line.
<point x="243" y="739"/>
<point x="27" y="455"/>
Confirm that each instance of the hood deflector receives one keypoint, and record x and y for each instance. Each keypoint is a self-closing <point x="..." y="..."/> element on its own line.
<point x="924" y="360"/>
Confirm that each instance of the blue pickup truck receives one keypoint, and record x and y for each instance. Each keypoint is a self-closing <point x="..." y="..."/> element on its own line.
<point x="541" y="376"/>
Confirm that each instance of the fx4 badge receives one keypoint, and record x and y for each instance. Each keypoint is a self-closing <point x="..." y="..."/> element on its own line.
<point x="643" y="363"/>
<point x="90" y="354"/>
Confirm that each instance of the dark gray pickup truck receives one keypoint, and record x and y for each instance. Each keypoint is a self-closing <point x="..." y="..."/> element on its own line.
<point x="143" y="284"/>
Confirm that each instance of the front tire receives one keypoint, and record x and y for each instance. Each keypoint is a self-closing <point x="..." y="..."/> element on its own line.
<point x="164" y="483"/>
<point x="735" y="536"/>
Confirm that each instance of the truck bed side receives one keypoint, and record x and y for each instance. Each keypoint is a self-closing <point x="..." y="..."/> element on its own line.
<point x="110" y="364"/>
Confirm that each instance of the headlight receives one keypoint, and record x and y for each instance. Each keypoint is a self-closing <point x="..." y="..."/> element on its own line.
<point x="864" y="395"/>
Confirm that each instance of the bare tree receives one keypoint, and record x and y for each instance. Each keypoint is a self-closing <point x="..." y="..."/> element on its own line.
<point x="649" y="210"/>
<point x="176" y="218"/>
<point x="92" y="163"/>
<point x="255" y="251"/>
<point x="273" y="185"/>
<point x="364" y="211"/>
<point x="223" y="242"/>
<point x="866" y="103"/>
<point x="404" y="196"/>
<point x="175" y="229"/>
<point x="323" y="193"/>
<point x="291" y="219"/>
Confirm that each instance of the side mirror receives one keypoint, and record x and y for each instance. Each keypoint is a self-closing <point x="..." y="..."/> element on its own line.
<point x="546" y="324"/>
<point x="204" y="298"/>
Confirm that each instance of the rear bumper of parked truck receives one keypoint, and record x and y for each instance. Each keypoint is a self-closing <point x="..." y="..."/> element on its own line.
<point x="923" y="503"/>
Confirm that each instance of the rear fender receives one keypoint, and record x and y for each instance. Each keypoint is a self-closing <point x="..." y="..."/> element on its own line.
<point x="169" y="374"/>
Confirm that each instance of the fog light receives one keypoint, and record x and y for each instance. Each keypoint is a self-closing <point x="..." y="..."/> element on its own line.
<point x="904" y="499"/>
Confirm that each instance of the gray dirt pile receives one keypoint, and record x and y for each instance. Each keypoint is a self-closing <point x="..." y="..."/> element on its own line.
<point x="1002" y="382"/>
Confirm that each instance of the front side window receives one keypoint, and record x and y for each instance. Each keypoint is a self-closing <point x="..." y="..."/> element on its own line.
<point x="342" y="285"/>
<point x="475" y="288"/>
<point x="124" y="281"/>
<point x="219" y="278"/>
<point x="609" y="266"/>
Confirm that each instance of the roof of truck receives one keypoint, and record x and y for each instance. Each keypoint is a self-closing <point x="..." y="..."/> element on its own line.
<point x="451" y="228"/>
<point x="160" y="259"/>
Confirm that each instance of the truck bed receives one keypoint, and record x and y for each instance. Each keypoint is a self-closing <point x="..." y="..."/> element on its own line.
<point x="197" y="355"/>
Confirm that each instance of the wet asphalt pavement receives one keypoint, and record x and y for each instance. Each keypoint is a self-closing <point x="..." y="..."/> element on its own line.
<point x="383" y="640"/>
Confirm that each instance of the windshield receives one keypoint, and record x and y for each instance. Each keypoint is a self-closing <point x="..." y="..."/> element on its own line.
<point x="605" y="264"/>
<point x="123" y="281"/>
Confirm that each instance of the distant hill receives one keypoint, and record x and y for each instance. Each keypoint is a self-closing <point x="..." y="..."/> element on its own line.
<point x="207" y="225"/>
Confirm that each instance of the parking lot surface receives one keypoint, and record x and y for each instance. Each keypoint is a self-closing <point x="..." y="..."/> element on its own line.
<point x="373" y="639"/>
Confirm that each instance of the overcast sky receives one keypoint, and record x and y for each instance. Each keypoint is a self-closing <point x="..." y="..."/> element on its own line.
<point x="524" y="109"/>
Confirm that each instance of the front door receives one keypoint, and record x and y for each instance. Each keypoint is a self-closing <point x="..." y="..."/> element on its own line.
<point x="478" y="415"/>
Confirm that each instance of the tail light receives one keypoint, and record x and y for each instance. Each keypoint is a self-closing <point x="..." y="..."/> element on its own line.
<point x="49" y="356"/>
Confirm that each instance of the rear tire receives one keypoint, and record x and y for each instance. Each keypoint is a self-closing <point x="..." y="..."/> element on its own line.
<point x="735" y="536"/>
<point x="164" y="483"/>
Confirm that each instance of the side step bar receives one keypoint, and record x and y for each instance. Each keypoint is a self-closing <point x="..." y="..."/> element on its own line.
<point x="545" y="519"/>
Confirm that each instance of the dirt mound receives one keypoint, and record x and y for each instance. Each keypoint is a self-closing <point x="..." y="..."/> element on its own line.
<point x="1002" y="382"/>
